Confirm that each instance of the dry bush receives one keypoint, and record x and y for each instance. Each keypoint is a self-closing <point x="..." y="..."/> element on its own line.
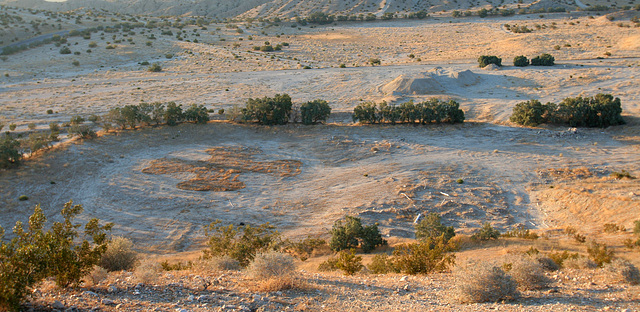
<point x="625" y="271"/>
<point x="215" y="264"/>
<point x="271" y="264"/>
<point x="579" y="263"/>
<point x="119" y="255"/>
<point x="528" y="273"/>
<point x="547" y="263"/>
<point x="147" y="271"/>
<point x="97" y="275"/>
<point x="483" y="282"/>
<point x="279" y="283"/>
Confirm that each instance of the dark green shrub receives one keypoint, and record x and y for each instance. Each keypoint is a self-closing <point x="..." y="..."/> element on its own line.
<point x="173" y="114"/>
<point x="601" y="111"/>
<point x="82" y="131"/>
<point x="483" y="13"/>
<point x="23" y="198"/>
<point x="543" y="60"/>
<point x="487" y="232"/>
<point x="196" y="114"/>
<point x="431" y="111"/>
<point x="485" y="60"/>
<point x="36" y="254"/>
<point x="9" y="151"/>
<point x="317" y="18"/>
<point x="365" y="113"/>
<point x="381" y="264"/>
<point x="532" y="113"/>
<point x="431" y="227"/>
<point x="520" y="61"/>
<point x="315" y="111"/>
<point x="65" y="50"/>
<point x="240" y="243"/>
<point x="352" y="234"/>
<point x="268" y="111"/>
<point x="624" y="174"/>
<point x="155" y="67"/>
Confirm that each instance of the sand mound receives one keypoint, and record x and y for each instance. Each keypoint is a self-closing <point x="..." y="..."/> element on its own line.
<point x="436" y="81"/>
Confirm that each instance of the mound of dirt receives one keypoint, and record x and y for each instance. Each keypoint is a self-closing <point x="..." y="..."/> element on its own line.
<point x="436" y="81"/>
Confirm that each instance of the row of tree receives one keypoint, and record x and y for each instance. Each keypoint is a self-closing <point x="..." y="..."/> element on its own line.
<point x="520" y="61"/>
<point x="431" y="111"/>
<point x="602" y="110"/>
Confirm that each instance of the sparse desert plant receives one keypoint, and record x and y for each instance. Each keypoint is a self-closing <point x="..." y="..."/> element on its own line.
<point x="579" y="263"/>
<point x="23" y="197"/>
<point x="155" y="67"/>
<point x="560" y="257"/>
<point x="148" y="271"/>
<point x="374" y="61"/>
<point x="12" y="126"/>
<point x="613" y="228"/>
<point x="328" y="265"/>
<point x="485" y="60"/>
<point x="623" y="174"/>
<point x="234" y="114"/>
<point x="381" y="264"/>
<point x="487" y="232"/>
<point x="599" y="253"/>
<point x="35" y="254"/>
<point x="75" y="63"/>
<point x="351" y="234"/>
<point x="240" y="243"/>
<point x="271" y="264"/>
<point x="97" y="275"/>
<point x="636" y="227"/>
<point x="527" y="272"/>
<point x="119" y="255"/>
<point x="430" y="227"/>
<point x="82" y="131"/>
<point x="304" y="248"/>
<point x="314" y="111"/>
<point x="521" y="61"/>
<point x="219" y="263"/>
<point x="77" y="120"/>
<point x="31" y="126"/>
<point x="547" y="263"/>
<point x="348" y="262"/>
<point x="520" y="232"/>
<point x="425" y="257"/>
<point x="625" y="271"/>
<point x="65" y="50"/>
<point x="483" y="282"/>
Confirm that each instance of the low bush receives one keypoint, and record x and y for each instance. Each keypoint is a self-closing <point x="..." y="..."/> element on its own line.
<point x="173" y="114"/>
<point x="304" y="249"/>
<point x="520" y="232"/>
<point x="155" y="68"/>
<point x="147" y="272"/>
<point x="424" y="257"/>
<point x="579" y="263"/>
<point x="351" y="234"/>
<point x="35" y="254"/>
<point x="527" y="272"/>
<point x="543" y="60"/>
<point x="532" y="113"/>
<point x="240" y="243"/>
<point x="82" y="131"/>
<point x="487" y="232"/>
<point x="485" y="60"/>
<point x="119" y="255"/>
<point x="271" y="264"/>
<point x="624" y="271"/>
<point x="10" y="155"/>
<point x="483" y="282"/>
<point x="196" y="114"/>
<point x="348" y="262"/>
<point x="218" y="263"/>
<point x="624" y="174"/>
<point x="381" y="264"/>
<point x="560" y="257"/>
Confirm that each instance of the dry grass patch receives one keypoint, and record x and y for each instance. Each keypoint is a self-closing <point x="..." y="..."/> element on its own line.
<point x="483" y="282"/>
<point x="273" y="271"/>
<point x="527" y="272"/>
<point x="119" y="255"/>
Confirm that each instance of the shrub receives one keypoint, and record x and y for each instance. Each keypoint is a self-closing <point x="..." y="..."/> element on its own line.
<point x="579" y="263"/>
<point x="543" y="60"/>
<point x="636" y="227"/>
<point x="424" y="257"/>
<point x="612" y="228"/>
<point x="82" y="131"/>
<point x="381" y="264"/>
<point x="547" y="263"/>
<point x="315" y="111"/>
<point x="483" y="282"/>
<point x="520" y="232"/>
<point x="220" y="263"/>
<point x="268" y="111"/>
<point x="374" y="61"/>
<point x="431" y="111"/>
<point x="304" y="248"/>
<point x="521" y="61"/>
<point x="240" y="243"/>
<point x="10" y="156"/>
<point x="271" y="264"/>
<point x="196" y="114"/>
<point x="485" y="60"/>
<point x="23" y="197"/>
<point x="36" y="254"/>
<point x="348" y="262"/>
<point x="65" y="50"/>
<point x="328" y="265"/>
<point x="625" y="271"/>
<point x="528" y="273"/>
<point x="624" y="174"/>
<point x="601" y="111"/>
<point x="487" y="232"/>
<point x="599" y="253"/>
<point x="532" y="113"/>
<point x="431" y="228"/>
<point x="119" y="255"/>
<point x="75" y="63"/>
<point x="351" y="234"/>
<point x="77" y="120"/>
<point x="155" y="67"/>
<point x="147" y="271"/>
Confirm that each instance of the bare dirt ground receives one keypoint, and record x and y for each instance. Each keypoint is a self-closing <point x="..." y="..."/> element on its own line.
<point x="160" y="186"/>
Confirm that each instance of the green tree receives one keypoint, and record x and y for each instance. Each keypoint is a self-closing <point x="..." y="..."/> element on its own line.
<point x="520" y="61"/>
<point x="268" y="111"/>
<point x="483" y="13"/>
<point x="9" y="154"/>
<point x="352" y="234"/>
<point x="315" y="111"/>
<point x="532" y="113"/>
<point x="485" y="60"/>
<point x="431" y="227"/>
<point x="543" y="60"/>
<point x="196" y="114"/>
<point x="173" y="114"/>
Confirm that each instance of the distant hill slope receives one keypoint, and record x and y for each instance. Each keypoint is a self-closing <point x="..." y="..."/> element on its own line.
<point x="280" y="8"/>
